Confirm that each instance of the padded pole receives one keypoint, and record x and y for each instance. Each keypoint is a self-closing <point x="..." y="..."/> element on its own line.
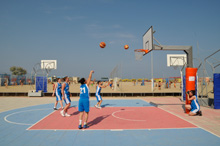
<point x="190" y="82"/>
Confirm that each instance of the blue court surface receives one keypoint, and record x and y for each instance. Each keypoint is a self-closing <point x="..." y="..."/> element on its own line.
<point x="14" y="125"/>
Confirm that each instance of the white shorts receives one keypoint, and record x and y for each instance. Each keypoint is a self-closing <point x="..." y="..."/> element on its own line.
<point x="98" y="97"/>
<point x="67" y="99"/>
<point x="194" y="111"/>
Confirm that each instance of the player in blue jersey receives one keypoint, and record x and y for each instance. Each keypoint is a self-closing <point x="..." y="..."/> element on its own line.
<point x="98" y="95"/>
<point x="194" y="107"/>
<point x="66" y="96"/>
<point x="83" y="106"/>
<point x="57" y="91"/>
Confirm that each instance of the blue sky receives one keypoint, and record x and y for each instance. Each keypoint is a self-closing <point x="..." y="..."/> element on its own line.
<point x="70" y="31"/>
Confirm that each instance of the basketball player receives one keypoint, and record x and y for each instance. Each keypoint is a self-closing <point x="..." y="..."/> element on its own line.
<point x="97" y="94"/>
<point x="83" y="106"/>
<point x="66" y="97"/>
<point x="194" y="107"/>
<point x="57" y="91"/>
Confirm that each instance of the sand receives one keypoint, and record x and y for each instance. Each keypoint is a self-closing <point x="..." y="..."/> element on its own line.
<point x="124" y="87"/>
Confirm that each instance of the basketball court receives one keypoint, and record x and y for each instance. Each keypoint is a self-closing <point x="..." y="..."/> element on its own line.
<point x="142" y="103"/>
<point x="119" y="122"/>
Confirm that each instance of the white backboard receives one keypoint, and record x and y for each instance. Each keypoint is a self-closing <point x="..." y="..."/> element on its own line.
<point x="176" y="60"/>
<point x="148" y="39"/>
<point x="48" y="64"/>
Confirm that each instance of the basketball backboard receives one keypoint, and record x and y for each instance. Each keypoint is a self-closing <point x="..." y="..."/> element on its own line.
<point x="176" y="60"/>
<point x="148" y="39"/>
<point x="49" y="64"/>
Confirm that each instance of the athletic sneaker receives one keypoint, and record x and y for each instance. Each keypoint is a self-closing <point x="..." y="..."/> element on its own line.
<point x="67" y="115"/>
<point x="62" y="113"/>
<point x="200" y="113"/>
<point x="85" y="126"/>
<point x="80" y="126"/>
<point x="96" y="106"/>
<point x="100" y="107"/>
<point x="54" y="108"/>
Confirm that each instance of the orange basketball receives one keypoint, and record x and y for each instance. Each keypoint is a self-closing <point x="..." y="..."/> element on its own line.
<point x="126" y="47"/>
<point x="102" y="44"/>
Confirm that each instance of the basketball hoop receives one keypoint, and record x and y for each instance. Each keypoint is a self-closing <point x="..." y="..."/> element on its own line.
<point x="139" y="53"/>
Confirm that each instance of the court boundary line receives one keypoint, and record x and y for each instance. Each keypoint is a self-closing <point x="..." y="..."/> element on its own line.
<point x="118" y="118"/>
<point x="5" y="118"/>
<point x="24" y="107"/>
<point x="193" y="124"/>
<point x="113" y="129"/>
<point x="75" y="129"/>
<point x="190" y="122"/>
<point x="40" y="120"/>
<point x="114" y="106"/>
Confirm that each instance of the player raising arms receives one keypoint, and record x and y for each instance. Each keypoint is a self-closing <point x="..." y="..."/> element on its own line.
<point x="97" y="94"/>
<point x="84" y="100"/>
<point x="66" y="96"/>
<point x="57" y="91"/>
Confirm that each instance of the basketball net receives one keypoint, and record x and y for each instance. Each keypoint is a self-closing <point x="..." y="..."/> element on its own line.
<point x="139" y="55"/>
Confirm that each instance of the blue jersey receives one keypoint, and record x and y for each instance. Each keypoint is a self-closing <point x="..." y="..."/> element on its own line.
<point x="66" y="89"/>
<point x="58" y="92"/>
<point x="84" y="91"/>
<point x="58" y="89"/>
<point x="195" y="103"/>
<point x="98" y="90"/>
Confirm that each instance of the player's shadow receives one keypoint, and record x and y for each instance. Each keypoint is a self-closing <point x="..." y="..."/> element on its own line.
<point x="75" y="113"/>
<point x="74" y="106"/>
<point x="106" y="105"/>
<point x="97" y="120"/>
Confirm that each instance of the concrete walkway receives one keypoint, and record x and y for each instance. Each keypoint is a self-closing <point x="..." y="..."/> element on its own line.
<point x="210" y="121"/>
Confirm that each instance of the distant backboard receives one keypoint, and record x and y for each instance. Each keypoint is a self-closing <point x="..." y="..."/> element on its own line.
<point x="49" y="64"/>
<point x="176" y="60"/>
<point x="148" y="39"/>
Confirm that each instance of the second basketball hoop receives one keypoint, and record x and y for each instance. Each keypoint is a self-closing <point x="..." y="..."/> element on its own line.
<point x="139" y="53"/>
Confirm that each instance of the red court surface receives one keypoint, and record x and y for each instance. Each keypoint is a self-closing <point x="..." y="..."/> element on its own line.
<point x="113" y="118"/>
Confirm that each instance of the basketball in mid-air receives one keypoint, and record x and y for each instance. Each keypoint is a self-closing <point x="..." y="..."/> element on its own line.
<point x="102" y="44"/>
<point x="126" y="47"/>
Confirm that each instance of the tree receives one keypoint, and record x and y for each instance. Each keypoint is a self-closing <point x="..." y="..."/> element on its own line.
<point x="18" y="70"/>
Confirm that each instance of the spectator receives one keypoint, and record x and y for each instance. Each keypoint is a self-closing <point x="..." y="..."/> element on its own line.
<point x="174" y="83"/>
<point x="159" y="85"/>
<point x="21" y="82"/>
<point x="142" y="84"/>
<point x="111" y="85"/>
<point x="6" y="85"/>
<point x="134" y="82"/>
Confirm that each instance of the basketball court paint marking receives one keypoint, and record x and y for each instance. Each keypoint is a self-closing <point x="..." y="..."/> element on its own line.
<point x="113" y="114"/>
<point x="5" y="118"/>
<point x="189" y="121"/>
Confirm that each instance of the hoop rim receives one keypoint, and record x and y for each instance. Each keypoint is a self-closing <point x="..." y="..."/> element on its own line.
<point x="142" y="50"/>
